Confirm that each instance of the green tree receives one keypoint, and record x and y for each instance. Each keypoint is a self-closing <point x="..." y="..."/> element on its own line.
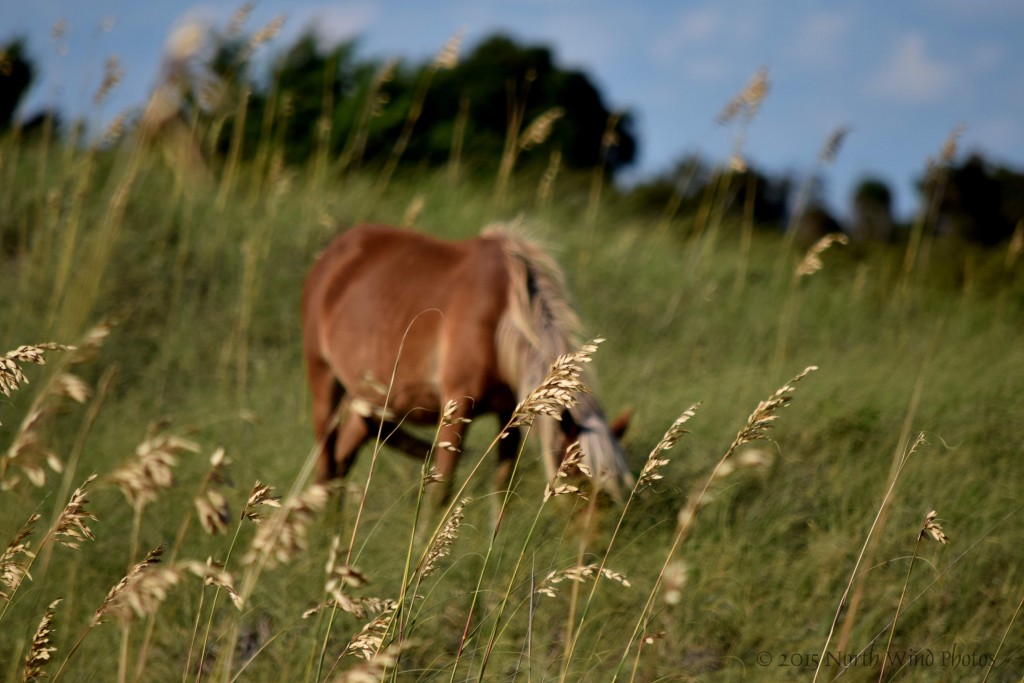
<point x="872" y="210"/>
<point x="980" y="202"/>
<point x="16" y="75"/>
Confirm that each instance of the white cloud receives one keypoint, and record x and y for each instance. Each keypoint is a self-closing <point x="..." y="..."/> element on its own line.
<point x="911" y="75"/>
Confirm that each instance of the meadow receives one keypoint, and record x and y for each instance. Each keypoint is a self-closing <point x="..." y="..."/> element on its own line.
<point x="780" y="530"/>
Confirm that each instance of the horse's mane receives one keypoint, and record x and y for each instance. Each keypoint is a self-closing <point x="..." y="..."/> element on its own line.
<point x="540" y="324"/>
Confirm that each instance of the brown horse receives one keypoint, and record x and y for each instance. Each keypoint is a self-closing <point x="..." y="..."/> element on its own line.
<point x="397" y="323"/>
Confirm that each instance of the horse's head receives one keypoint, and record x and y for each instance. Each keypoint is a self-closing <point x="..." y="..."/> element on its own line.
<point x="599" y="440"/>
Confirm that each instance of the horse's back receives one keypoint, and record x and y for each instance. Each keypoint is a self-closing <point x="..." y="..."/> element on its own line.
<point x="384" y="300"/>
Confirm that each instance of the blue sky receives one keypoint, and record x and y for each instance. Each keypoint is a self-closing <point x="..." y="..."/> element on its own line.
<point x="902" y="75"/>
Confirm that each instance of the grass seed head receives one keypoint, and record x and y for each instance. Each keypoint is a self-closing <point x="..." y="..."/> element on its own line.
<point x="579" y="574"/>
<point x="267" y="33"/>
<point x="142" y="479"/>
<point x="539" y="130"/>
<point x="238" y="19"/>
<point x="572" y="461"/>
<point x="286" y="534"/>
<point x="812" y="261"/>
<point x="557" y="392"/>
<point x="140" y="592"/>
<point x="11" y="374"/>
<point x="442" y="544"/>
<point x="260" y="496"/>
<point x="448" y="57"/>
<point x="370" y="639"/>
<point x="72" y="527"/>
<point x="830" y="149"/>
<point x="932" y="529"/>
<point x="113" y="73"/>
<point x="650" y="473"/>
<point x="42" y="646"/>
<point x="760" y="421"/>
<point x="12" y="569"/>
<point x="214" y="574"/>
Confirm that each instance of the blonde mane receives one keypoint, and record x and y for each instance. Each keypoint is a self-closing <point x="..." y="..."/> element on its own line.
<point x="540" y="324"/>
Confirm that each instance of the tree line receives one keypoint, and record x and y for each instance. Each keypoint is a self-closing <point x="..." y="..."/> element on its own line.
<point x="506" y="98"/>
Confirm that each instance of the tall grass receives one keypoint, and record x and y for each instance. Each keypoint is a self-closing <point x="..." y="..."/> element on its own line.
<point x="199" y="353"/>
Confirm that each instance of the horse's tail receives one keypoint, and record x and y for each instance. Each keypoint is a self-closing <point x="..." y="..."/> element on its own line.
<point x="538" y="325"/>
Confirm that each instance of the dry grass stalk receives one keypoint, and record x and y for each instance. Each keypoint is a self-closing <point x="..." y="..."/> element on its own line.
<point x="260" y="496"/>
<point x="142" y="479"/>
<point x="933" y="529"/>
<point x="760" y="421"/>
<point x="1015" y="247"/>
<point x="370" y="639"/>
<point x="112" y="75"/>
<point x="831" y="147"/>
<point x="442" y="544"/>
<point x="211" y="505"/>
<point x="812" y="261"/>
<point x="11" y="374"/>
<point x="285" y="535"/>
<point x="89" y="347"/>
<point x="214" y="574"/>
<point x="71" y="527"/>
<point x="650" y="473"/>
<point x="449" y="417"/>
<point x="448" y="57"/>
<point x="114" y="130"/>
<point x="12" y="570"/>
<point x="267" y="33"/>
<point x="949" y="147"/>
<point x="413" y="211"/>
<point x="846" y="609"/>
<point x="557" y="392"/>
<point x="578" y="574"/>
<point x="929" y="529"/>
<point x="538" y="131"/>
<point x="72" y="387"/>
<point x="547" y="181"/>
<point x="27" y="450"/>
<point x="373" y="669"/>
<point x="341" y="576"/>
<point x="748" y="101"/>
<point x="42" y="646"/>
<point x="572" y="461"/>
<point x="238" y="19"/>
<point x="140" y="592"/>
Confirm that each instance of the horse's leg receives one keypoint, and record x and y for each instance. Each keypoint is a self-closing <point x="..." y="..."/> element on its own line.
<point x="327" y="394"/>
<point x="508" y="451"/>
<point x="352" y="432"/>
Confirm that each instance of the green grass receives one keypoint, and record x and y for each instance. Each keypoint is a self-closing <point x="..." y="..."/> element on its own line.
<point x="204" y="300"/>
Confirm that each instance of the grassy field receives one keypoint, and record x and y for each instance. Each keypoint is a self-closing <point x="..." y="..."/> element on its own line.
<point x="737" y="559"/>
